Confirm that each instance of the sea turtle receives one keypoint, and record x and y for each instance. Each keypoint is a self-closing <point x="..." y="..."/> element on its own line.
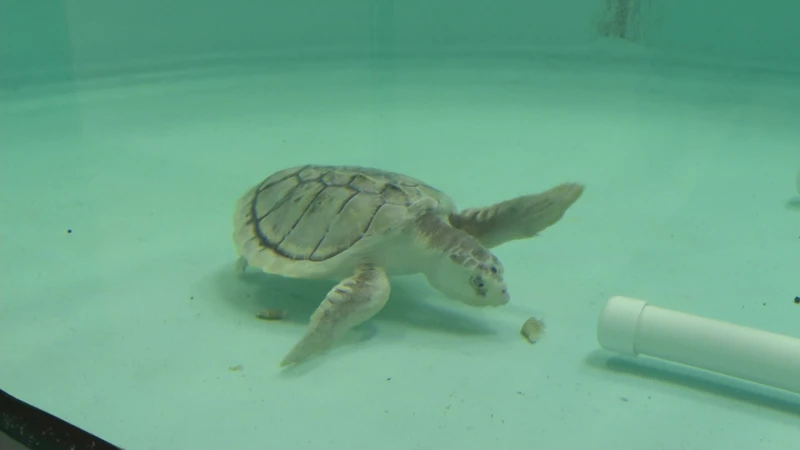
<point x="360" y="225"/>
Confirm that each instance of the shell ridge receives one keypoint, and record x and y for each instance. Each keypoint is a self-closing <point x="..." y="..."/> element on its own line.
<point x="301" y="218"/>
<point x="344" y="204"/>
<point x="264" y="186"/>
<point x="328" y="229"/>
<point x="275" y="206"/>
<point x="371" y="219"/>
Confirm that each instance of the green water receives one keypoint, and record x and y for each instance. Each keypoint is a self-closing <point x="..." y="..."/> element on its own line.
<point x="128" y="132"/>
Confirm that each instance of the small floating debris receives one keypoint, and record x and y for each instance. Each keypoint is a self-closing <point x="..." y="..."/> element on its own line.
<point x="797" y="300"/>
<point x="236" y="368"/>
<point x="532" y="329"/>
<point x="271" y="314"/>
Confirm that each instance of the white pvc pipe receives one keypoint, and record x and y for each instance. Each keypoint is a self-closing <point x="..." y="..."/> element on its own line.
<point x="633" y="327"/>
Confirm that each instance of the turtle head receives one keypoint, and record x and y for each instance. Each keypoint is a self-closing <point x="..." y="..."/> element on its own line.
<point x="474" y="278"/>
<point x="461" y="267"/>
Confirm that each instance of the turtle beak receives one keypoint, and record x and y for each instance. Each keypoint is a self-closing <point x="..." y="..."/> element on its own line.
<point x="506" y="298"/>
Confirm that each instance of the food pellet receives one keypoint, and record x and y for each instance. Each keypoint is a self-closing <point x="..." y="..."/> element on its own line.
<point x="532" y="329"/>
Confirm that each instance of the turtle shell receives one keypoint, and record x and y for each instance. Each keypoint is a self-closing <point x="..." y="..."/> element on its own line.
<point x="314" y="214"/>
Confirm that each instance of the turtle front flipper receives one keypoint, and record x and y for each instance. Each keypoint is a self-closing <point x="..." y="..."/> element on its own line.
<point x="351" y="302"/>
<point x="519" y="218"/>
